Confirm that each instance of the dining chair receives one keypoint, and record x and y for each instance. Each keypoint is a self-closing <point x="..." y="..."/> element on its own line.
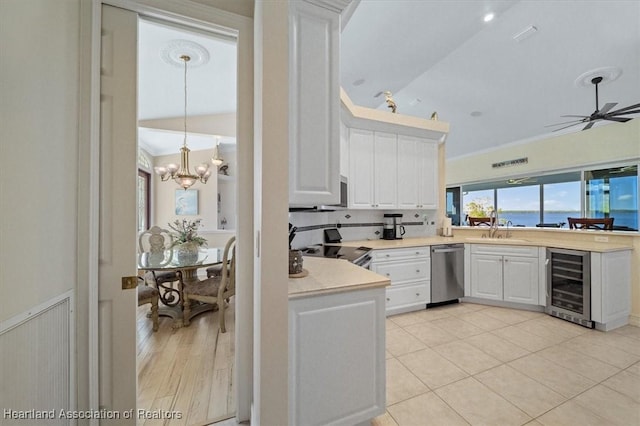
<point x="605" y="223"/>
<point x="215" y="289"/>
<point x="155" y="241"/>
<point x="148" y="294"/>
<point x="476" y="221"/>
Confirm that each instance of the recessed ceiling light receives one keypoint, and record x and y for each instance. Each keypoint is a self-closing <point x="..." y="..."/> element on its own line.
<point x="488" y="17"/>
<point x="359" y="82"/>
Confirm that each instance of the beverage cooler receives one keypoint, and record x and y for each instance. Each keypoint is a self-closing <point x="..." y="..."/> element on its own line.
<point x="569" y="285"/>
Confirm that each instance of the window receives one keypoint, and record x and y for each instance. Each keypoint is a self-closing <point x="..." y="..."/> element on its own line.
<point x="613" y="193"/>
<point x="144" y="210"/>
<point x="478" y="203"/>
<point x="548" y="200"/>
<point x="453" y="205"/>
<point x="520" y="205"/>
<point x="560" y="201"/>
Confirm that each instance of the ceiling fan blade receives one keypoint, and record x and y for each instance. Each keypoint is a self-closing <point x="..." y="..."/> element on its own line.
<point x="566" y="127"/>
<point x="625" y="109"/>
<point x="566" y="122"/>
<point x="605" y="109"/>
<point x="618" y="119"/>
<point x="614" y="114"/>
<point x="580" y="116"/>
<point x="590" y="125"/>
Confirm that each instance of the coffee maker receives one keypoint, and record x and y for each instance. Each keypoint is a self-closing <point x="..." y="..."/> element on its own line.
<point x="392" y="228"/>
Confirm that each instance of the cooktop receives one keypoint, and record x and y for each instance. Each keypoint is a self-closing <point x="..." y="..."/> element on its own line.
<point x="351" y="254"/>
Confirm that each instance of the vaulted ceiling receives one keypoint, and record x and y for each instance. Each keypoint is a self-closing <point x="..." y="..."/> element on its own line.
<point x="438" y="56"/>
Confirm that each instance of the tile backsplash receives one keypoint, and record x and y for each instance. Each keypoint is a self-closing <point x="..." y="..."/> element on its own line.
<point x="358" y="224"/>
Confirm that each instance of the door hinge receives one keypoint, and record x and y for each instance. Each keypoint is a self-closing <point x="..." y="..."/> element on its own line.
<point x="129" y="282"/>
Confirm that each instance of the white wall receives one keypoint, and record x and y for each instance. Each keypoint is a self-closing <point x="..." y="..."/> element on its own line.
<point x="40" y="84"/>
<point x="611" y="143"/>
<point x="356" y="225"/>
<point x="227" y="207"/>
<point x="164" y="193"/>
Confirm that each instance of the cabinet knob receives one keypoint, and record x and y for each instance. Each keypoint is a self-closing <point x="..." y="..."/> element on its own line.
<point x="418" y="294"/>
<point x="387" y="274"/>
<point x="418" y="253"/>
<point x="388" y="300"/>
<point x="417" y="271"/>
<point x="388" y="255"/>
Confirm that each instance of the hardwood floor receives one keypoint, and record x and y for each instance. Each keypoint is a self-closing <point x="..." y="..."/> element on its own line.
<point x="186" y="372"/>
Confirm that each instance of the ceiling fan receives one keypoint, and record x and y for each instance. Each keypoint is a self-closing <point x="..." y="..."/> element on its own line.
<point x="600" y="114"/>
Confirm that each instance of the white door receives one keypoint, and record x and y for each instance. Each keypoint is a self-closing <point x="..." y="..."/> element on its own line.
<point x="428" y="175"/>
<point x="385" y="166"/>
<point x="521" y="279"/>
<point x="118" y="147"/>
<point x="486" y="276"/>
<point x="360" y="169"/>
<point x="407" y="172"/>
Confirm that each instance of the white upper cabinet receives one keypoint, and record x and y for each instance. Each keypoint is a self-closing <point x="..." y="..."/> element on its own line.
<point x="417" y="173"/>
<point x="361" y="161"/>
<point x="314" y="104"/>
<point x="385" y="168"/>
<point x="372" y="170"/>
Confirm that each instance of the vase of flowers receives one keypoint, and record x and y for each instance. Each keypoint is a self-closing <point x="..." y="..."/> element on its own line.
<point x="186" y="240"/>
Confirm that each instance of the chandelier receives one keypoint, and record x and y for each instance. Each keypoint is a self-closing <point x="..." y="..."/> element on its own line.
<point x="181" y="174"/>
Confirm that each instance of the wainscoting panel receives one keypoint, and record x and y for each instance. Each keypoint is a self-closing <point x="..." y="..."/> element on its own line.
<point x="37" y="364"/>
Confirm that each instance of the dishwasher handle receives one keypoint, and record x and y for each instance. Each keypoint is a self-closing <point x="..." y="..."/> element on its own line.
<point x="447" y="250"/>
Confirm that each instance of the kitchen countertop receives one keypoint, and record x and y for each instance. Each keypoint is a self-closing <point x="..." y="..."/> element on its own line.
<point x="595" y="246"/>
<point x="331" y="276"/>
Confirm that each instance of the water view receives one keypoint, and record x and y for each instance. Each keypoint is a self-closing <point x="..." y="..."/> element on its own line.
<point x="532" y="218"/>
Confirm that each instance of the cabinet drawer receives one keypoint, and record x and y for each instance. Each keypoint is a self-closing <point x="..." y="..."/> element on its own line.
<point x="501" y="250"/>
<point x="408" y="295"/>
<point x="396" y="254"/>
<point x="406" y="271"/>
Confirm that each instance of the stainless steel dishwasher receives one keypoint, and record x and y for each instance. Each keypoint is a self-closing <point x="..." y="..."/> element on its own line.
<point x="447" y="272"/>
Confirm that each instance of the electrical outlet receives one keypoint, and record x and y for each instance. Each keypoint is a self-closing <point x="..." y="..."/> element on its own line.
<point x="602" y="239"/>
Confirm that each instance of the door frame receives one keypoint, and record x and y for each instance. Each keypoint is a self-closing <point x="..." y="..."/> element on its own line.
<point x="189" y="14"/>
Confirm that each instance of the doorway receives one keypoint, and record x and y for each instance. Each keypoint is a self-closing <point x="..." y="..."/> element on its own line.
<point x="188" y="370"/>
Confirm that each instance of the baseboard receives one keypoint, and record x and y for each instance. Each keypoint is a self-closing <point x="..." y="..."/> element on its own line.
<point x="634" y="320"/>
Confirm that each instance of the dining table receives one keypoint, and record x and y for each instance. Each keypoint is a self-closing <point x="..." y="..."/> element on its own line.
<point x="186" y="268"/>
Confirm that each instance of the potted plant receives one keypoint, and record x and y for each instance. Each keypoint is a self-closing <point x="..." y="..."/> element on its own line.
<point x="186" y="239"/>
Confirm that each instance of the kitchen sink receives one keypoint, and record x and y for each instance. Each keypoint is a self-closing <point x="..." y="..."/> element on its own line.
<point x="487" y="240"/>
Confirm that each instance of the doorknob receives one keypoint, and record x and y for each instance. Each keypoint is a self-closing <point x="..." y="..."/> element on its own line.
<point x="129" y="282"/>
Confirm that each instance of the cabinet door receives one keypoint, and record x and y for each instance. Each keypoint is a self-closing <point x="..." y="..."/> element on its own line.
<point x="360" y="169"/>
<point x="407" y="172"/>
<point x="428" y="175"/>
<point x="385" y="170"/>
<point x="521" y="279"/>
<point x="332" y="337"/>
<point x="486" y="276"/>
<point x="314" y="105"/>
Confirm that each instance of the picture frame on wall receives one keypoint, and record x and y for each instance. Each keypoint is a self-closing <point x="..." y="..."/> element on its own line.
<point x="186" y="202"/>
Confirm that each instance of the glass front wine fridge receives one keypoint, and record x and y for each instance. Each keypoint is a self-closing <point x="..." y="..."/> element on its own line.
<point x="569" y="285"/>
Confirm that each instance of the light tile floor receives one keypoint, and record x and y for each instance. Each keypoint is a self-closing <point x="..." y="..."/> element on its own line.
<point x="473" y="364"/>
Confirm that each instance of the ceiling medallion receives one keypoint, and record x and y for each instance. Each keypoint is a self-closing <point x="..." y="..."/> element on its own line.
<point x="173" y="52"/>
<point x="607" y="73"/>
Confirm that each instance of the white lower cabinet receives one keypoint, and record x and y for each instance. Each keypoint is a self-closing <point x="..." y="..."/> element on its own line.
<point x="410" y="273"/>
<point x="610" y="289"/>
<point x="337" y="358"/>
<point x="506" y="273"/>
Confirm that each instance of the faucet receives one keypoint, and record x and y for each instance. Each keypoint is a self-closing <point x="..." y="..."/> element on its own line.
<point x="493" y="224"/>
<point x="508" y="234"/>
